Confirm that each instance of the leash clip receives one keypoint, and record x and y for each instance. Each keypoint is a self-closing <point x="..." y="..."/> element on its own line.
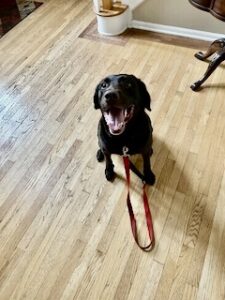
<point x="125" y="151"/>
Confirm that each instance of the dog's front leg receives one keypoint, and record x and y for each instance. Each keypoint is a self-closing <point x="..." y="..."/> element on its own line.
<point x="149" y="176"/>
<point x="109" y="169"/>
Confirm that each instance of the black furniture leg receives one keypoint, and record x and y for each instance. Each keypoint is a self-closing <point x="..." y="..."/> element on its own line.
<point x="218" y="49"/>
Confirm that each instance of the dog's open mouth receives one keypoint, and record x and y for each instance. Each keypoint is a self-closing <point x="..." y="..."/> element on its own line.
<point x="116" y="118"/>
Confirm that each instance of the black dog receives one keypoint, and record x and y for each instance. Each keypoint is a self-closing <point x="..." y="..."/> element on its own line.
<point x="124" y="122"/>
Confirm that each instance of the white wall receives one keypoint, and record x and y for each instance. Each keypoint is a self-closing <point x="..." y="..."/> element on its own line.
<point x="178" y="13"/>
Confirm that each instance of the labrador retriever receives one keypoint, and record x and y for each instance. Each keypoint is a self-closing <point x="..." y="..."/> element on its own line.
<point x="122" y="100"/>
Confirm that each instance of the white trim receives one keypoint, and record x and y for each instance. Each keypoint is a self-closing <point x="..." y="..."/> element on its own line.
<point x="179" y="31"/>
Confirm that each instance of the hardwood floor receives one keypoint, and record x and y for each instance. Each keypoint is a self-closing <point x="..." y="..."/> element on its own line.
<point x="64" y="230"/>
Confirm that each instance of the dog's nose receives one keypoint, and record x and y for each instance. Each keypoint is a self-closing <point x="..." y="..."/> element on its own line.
<point x="110" y="96"/>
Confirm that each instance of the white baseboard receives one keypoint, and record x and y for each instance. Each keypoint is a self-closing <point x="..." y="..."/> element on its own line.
<point x="178" y="31"/>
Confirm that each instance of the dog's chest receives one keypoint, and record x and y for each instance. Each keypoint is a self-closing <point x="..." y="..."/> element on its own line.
<point x="134" y="142"/>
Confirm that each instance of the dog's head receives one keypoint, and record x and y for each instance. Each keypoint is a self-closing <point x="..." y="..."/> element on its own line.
<point x="120" y="97"/>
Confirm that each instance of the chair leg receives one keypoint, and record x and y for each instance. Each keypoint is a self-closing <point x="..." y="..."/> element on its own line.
<point x="215" y="46"/>
<point x="215" y="62"/>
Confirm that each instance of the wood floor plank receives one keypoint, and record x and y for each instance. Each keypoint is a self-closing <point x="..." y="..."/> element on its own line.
<point x="212" y="279"/>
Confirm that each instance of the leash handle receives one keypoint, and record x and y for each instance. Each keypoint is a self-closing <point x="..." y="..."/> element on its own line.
<point x="148" y="215"/>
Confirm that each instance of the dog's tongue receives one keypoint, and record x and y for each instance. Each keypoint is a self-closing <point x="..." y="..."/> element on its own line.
<point x="115" y="119"/>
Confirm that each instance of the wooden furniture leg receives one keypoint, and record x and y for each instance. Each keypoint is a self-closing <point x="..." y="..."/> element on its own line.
<point x="217" y="48"/>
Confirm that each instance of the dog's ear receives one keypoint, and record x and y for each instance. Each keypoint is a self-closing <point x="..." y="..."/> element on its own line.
<point x="96" y="102"/>
<point x="145" y="97"/>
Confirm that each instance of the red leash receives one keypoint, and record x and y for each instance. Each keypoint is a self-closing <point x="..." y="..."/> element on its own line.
<point x="148" y="215"/>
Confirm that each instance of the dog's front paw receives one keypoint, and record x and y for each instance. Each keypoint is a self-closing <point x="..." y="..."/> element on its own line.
<point x="149" y="178"/>
<point x="99" y="155"/>
<point x="110" y="174"/>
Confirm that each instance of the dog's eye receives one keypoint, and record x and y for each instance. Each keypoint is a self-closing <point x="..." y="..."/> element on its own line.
<point x="104" y="85"/>
<point x="128" y="85"/>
